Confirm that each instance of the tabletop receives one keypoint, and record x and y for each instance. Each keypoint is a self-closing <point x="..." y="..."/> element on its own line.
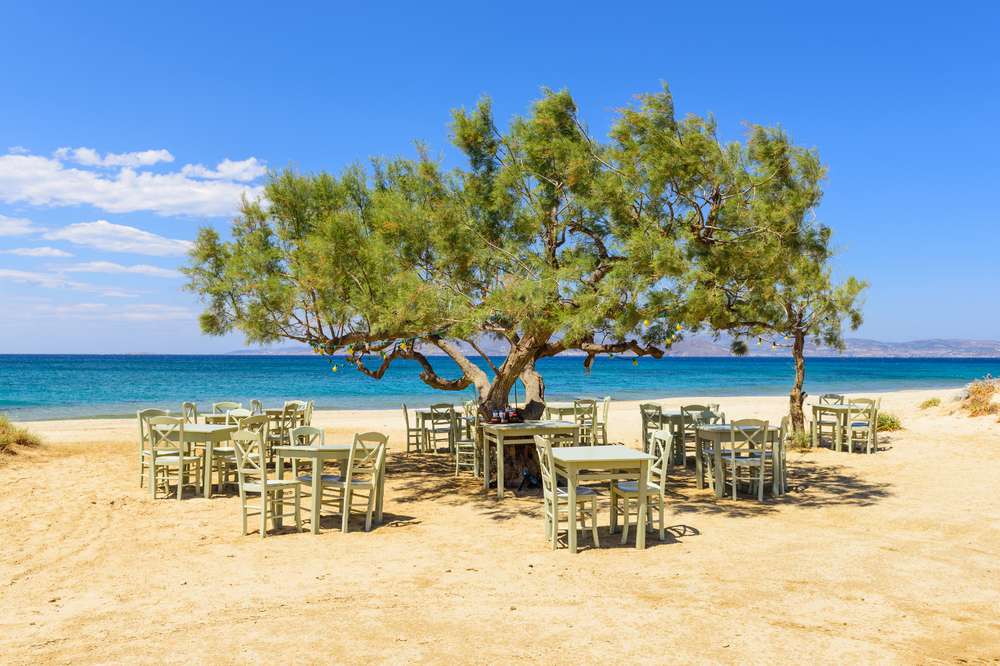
<point x="595" y="454"/>
<point x="202" y="428"/>
<point x="530" y="425"/>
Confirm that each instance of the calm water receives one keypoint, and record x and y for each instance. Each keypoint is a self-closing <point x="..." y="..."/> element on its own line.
<point x="44" y="387"/>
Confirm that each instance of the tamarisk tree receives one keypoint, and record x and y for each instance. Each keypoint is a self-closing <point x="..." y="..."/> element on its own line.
<point x="783" y="285"/>
<point x="548" y="240"/>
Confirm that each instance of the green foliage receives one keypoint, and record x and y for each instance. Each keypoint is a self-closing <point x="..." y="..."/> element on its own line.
<point x="888" y="422"/>
<point x="930" y="402"/>
<point x="799" y="440"/>
<point x="12" y="436"/>
<point x="549" y="240"/>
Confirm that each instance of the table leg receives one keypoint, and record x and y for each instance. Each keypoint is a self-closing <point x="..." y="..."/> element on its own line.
<point x="699" y="467"/>
<point x="815" y="428"/>
<point x="280" y="469"/>
<point x="640" y="528"/>
<point x="776" y="445"/>
<point x="717" y="467"/>
<point x="571" y="495"/>
<point x="317" y="493"/>
<point x="500" y="466"/>
<point x="841" y="418"/>
<point x="486" y="462"/>
<point x="208" y="468"/>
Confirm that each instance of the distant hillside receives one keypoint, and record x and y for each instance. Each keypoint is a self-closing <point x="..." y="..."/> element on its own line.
<point x="705" y="346"/>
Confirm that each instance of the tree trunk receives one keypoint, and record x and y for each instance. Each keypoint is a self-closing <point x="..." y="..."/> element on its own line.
<point x="797" y="397"/>
<point x="534" y="392"/>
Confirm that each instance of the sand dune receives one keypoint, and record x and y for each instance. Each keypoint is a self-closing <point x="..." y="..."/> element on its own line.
<point x="893" y="557"/>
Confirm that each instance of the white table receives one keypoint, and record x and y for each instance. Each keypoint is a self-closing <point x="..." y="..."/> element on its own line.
<point x="209" y="435"/>
<point x="614" y="462"/>
<point x="717" y="434"/>
<point x="317" y="455"/>
<point x="500" y="435"/>
<point x="558" y="410"/>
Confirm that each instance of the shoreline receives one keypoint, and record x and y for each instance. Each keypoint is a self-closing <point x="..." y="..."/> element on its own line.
<point x="459" y="397"/>
<point x="623" y="415"/>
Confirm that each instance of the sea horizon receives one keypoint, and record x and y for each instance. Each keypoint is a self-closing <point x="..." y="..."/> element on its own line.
<point x="74" y="386"/>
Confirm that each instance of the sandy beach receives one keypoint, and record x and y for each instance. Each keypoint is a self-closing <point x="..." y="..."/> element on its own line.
<point x="893" y="557"/>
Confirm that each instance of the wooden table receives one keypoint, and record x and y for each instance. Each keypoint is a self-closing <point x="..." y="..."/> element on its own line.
<point x="209" y="435"/>
<point x="500" y="435"/>
<point x="718" y="433"/>
<point x="317" y="455"/>
<point x="614" y="462"/>
<point x="840" y="412"/>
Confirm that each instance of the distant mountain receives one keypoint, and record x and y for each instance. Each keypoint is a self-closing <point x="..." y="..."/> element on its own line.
<point x="705" y="346"/>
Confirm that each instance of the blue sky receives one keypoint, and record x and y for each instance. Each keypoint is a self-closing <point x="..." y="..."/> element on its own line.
<point x="123" y="128"/>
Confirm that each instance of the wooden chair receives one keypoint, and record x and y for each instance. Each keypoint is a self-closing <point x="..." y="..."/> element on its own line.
<point x="652" y="419"/>
<point x="256" y="407"/>
<point x="362" y="478"/>
<point x="601" y="425"/>
<point x="862" y="425"/>
<point x="283" y="424"/>
<point x="223" y="407"/>
<point x="780" y="468"/>
<point x="414" y="435"/>
<point x="555" y="500"/>
<point x="749" y="450"/>
<point x="656" y="492"/>
<point x="469" y="418"/>
<point x="585" y="416"/>
<point x="234" y="416"/>
<point x="143" y="416"/>
<point x="466" y="451"/>
<point x="251" y="471"/>
<point x="169" y="452"/>
<point x="439" y="426"/>
<point x="189" y="412"/>
<point x="693" y="416"/>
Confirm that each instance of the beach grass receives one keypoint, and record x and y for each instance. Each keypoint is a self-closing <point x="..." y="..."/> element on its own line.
<point x="12" y="436"/>
<point x="889" y="422"/>
<point x="930" y="402"/>
<point x="979" y="397"/>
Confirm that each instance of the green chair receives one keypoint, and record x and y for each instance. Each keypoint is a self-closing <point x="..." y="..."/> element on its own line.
<point x="252" y="475"/>
<point x="652" y="419"/>
<point x="169" y="454"/>
<point x="414" y="435"/>
<point x="143" y="416"/>
<point x="656" y="492"/>
<point x="585" y="416"/>
<point x="750" y="450"/>
<point x="555" y="500"/>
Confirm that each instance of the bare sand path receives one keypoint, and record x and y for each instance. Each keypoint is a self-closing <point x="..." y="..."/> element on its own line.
<point x="893" y="557"/>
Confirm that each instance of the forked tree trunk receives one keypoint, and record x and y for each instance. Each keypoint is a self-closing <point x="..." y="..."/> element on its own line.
<point x="796" y="397"/>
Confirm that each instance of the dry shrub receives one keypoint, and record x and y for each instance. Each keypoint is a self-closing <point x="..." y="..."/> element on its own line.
<point x="979" y="397"/>
<point x="11" y="436"/>
<point x="932" y="402"/>
<point x="888" y="422"/>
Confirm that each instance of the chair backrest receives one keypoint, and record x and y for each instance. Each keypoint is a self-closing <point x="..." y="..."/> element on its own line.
<point x="658" y="468"/>
<point x="471" y="407"/>
<point x="143" y="416"/>
<point x="585" y="411"/>
<point x="543" y="446"/>
<point x="831" y="399"/>
<point x="234" y="416"/>
<point x="367" y="455"/>
<point x="307" y="413"/>
<point x="306" y="436"/>
<point x="250" y="464"/>
<point x="301" y="404"/>
<point x="651" y="415"/>
<point x="747" y="435"/>
<point x="442" y="413"/>
<point x="291" y="417"/>
<point x="255" y="422"/>
<point x="189" y="412"/>
<point x="406" y="416"/>
<point x="166" y="433"/>
<point x="225" y="406"/>
<point x="602" y="415"/>
<point x="256" y="407"/>
<point x="862" y="408"/>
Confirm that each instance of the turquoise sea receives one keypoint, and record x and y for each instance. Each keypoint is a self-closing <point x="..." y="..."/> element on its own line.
<point x="36" y="387"/>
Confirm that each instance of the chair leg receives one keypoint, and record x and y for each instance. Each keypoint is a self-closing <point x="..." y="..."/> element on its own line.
<point x="614" y="510"/>
<point x="625" y="504"/>
<point x="593" y="524"/>
<point x="263" y="514"/>
<point x="345" y="509"/>
<point x="663" y="530"/>
<point x="370" y="510"/>
<point x="298" y="510"/>
<point x="760" y="483"/>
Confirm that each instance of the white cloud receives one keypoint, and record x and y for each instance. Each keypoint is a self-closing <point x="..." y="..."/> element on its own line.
<point x="111" y="267"/>
<point x="90" y="157"/>
<point x="38" y="252"/>
<point x="45" y="181"/>
<point x="18" y="150"/>
<point x="130" y="312"/>
<point x="56" y="281"/>
<point x="243" y="170"/>
<point x="104" y="235"/>
<point x="17" y="226"/>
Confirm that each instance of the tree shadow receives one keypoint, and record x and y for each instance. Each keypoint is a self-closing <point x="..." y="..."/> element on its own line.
<point x="430" y="477"/>
<point x="810" y="486"/>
